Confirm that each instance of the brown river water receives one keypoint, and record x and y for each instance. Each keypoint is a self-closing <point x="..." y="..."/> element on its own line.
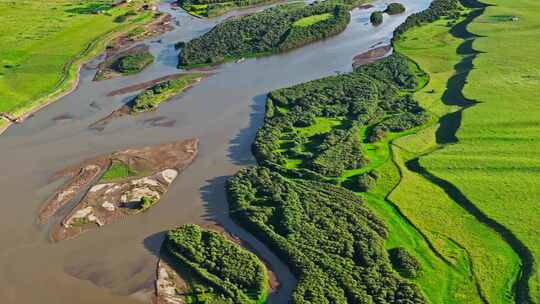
<point x="116" y="264"/>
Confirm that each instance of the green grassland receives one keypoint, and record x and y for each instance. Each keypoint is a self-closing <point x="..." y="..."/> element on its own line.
<point x="454" y="233"/>
<point x="119" y="170"/>
<point x="307" y="21"/>
<point x="42" y="42"/>
<point x="495" y="162"/>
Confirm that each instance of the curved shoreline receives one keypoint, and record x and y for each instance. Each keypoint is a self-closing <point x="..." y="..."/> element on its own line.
<point x="446" y="134"/>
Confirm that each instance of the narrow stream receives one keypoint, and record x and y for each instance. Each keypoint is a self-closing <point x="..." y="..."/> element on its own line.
<point x="116" y="264"/>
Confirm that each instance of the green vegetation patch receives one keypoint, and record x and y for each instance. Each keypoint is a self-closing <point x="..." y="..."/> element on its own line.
<point x="307" y="21"/>
<point x="152" y="97"/>
<point x="266" y="32"/>
<point x="118" y="170"/>
<point x="232" y="274"/>
<point x="133" y="63"/>
<point x="331" y="242"/>
<point x="376" y="18"/>
<point x="395" y="8"/>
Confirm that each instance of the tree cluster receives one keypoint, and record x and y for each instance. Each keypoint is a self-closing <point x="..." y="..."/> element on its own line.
<point x="133" y="63"/>
<point x="395" y="8"/>
<point x="404" y="262"/>
<point x="269" y="31"/>
<point x="376" y="18"/>
<point x="235" y="273"/>
<point x="331" y="242"/>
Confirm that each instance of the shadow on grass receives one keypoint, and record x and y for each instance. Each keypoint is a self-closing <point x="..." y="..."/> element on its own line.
<point x="90" y="8"/>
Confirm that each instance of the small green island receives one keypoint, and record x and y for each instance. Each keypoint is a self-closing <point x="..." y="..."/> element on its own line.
<point x="273" y="30"/>
<point x="213" y="268"/>
<point x="395" y="9"/>
<point x="376" y="18"/>
<point x="125" y="63"/>
<point x="151" y="98"/>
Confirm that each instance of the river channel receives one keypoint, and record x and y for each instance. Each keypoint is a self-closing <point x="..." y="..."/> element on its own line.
<point x="116" y="264"/>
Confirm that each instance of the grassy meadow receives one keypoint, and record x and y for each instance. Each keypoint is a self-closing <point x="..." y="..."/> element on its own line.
<point x="467" y="243"/>
<point x="42" y="42"/>
<point x="496" y="162"/>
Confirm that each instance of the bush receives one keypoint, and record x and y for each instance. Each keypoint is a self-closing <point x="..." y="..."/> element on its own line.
<point x="405" y="263"/>
<point x="366" y="181"/>
<point x="133" y="63"/>
<point x="395" y="8"/>
<point x="376" y="18"/>
<point x="152" y="97"/>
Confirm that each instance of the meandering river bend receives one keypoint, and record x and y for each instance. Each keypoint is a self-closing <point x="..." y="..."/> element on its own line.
<point x="116" y="264"/>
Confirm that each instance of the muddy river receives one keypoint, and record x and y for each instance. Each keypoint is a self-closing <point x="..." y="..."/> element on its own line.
<point x="116" y="264"/>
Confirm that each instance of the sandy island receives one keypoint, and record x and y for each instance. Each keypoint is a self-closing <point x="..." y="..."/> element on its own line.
<point x="115" y="186"/>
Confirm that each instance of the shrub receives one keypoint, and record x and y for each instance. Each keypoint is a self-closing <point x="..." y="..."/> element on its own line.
<point x="133" y="63"/>
<point x="395" y="8"/>
<point x="376" y="18"/>
<point x="366" y="181"/>
<point x="405" y="263"/>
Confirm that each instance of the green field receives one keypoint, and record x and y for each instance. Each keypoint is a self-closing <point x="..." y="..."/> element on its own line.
<point x="307" y="21"/>
<point x="495" y="163"/>
<point x="43" y="41"/>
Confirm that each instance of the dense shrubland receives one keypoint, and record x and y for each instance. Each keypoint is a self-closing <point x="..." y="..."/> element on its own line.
<point x="332" y="243"/>
<point x="234" y="274"/>
<point x="150" y="98"/>
<point x="373" y="97"/>
<point x="269" y="31"/>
